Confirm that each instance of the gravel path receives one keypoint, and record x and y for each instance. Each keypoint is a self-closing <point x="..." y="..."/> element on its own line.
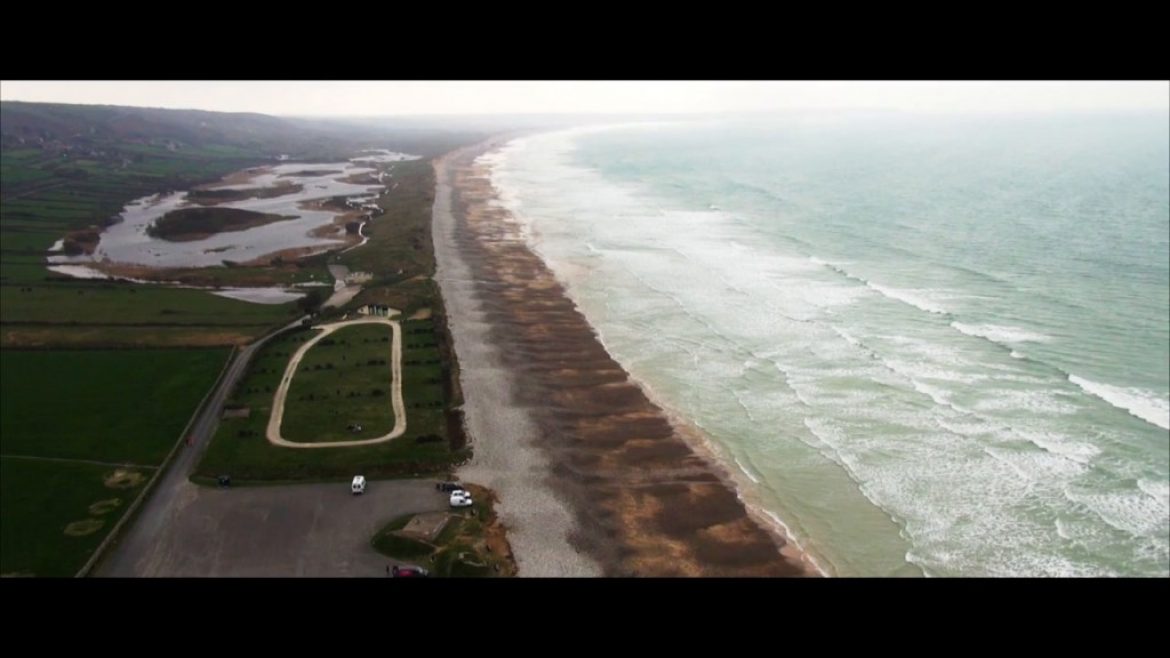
<point x="273" y="432"/>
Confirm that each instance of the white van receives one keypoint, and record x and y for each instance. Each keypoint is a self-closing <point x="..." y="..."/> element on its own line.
<point x="359" y="484"/>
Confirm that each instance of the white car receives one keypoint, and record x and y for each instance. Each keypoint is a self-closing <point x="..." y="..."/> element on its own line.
<point x="460" y="498"/>
<point x="358" y="485"/>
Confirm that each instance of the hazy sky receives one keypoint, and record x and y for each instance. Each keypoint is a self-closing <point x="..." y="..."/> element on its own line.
<point x="369" y="98"/>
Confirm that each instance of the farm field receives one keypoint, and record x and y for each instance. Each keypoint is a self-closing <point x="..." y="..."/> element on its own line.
<point x="79" y="427"/>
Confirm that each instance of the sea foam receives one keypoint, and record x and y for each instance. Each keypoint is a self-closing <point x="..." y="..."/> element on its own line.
<point x="1140" y="403"/>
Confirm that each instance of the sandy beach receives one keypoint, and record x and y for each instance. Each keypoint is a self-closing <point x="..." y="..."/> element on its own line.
<point x="593" y="478"/>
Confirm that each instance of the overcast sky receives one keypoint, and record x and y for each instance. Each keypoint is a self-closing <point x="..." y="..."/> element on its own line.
<point x="366" y="98"/>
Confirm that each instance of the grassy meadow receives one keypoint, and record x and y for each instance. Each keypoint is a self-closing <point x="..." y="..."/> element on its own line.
<point x="75" y="426"/>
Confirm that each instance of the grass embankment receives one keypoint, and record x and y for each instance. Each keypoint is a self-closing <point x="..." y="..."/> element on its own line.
<point x="187" y="224"/>
<point x="343" y="381"/>
<point x="471" y="544"/>
<point x="65" y="410"/>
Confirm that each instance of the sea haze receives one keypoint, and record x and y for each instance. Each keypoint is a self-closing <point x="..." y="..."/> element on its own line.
<point x="925" y="345"/>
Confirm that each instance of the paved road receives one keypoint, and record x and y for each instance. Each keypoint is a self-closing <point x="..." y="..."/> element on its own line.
<point x="157" y="510"/>
<point x="306" y="530"/>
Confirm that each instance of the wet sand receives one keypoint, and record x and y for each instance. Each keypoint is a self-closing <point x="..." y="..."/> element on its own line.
<point x="593" y="478"/>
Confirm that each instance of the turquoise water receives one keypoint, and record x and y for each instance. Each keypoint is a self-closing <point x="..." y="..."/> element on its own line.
<point x="926" y="346"/>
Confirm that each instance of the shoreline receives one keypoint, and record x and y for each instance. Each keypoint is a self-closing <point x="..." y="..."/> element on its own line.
<point x="505" y="459"/>
<point x="633" y="494"/>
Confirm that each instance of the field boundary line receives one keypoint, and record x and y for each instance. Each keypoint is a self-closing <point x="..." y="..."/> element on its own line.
<point x="85" y="569"/>
<point x="82" y="461"/>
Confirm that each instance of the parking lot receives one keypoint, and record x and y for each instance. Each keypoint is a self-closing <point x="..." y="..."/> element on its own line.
<point x="314" y="530"/>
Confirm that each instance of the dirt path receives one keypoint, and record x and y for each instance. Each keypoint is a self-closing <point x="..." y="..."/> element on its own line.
<point x="277" y="416"/>
<point x="342" y="291"/>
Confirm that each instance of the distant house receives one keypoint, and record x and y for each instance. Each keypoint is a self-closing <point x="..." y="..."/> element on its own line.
<point x="375" y="309"/>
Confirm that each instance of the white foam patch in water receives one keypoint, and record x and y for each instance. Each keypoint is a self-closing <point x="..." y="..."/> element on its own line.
<point x="920" y="299"/>
<point x="1159" y="490"/>
<point x="1024" y="379"/>
<point x="1137" y="402"/>
<point x="968" y="425"/>
<point x="1133" y="512"/>
<point x="848" y="337"/>
<point x="940" y="396"/>
<point x="945" y="373"/>
<point x="932" y="351"/>
<point x="1032" y="401"/>
<point x="79" y="272"/>
<point x="747" y="472"/>
<point x="1000" y="333"/>
<point x="1036" y="465"/>
<point x="1060" y="444"/>
<point x="259" y="295"/>
<point x="926" y="481"/>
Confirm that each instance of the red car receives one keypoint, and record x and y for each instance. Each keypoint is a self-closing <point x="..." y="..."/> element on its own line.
<point x="409" y="572"/>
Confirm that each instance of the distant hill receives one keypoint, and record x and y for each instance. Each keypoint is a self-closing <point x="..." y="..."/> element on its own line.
<point x="26" y="124"/>
<point x="95" y="128"/>
<point x="46" y="145"/>
<point x="72" y="168"/>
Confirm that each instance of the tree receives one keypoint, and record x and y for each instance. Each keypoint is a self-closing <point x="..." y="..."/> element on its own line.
<point x="311" y="301"/>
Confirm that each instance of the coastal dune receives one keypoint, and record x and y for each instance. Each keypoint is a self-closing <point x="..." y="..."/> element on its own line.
<point x="593" y="478"/>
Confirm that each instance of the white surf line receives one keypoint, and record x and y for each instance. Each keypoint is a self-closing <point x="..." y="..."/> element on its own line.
<point x="273" y="432"/>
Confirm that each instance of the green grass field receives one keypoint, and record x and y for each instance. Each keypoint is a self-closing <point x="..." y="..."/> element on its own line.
<point x="128" y="405"/>
<point x="240" y="449"/>
<point x="128" y="305"/>
<point x="400" y="239"/>
<point x="345" y="379"/>
<point x="64" y="410"/>
<point x="53" y="515"/>
<point x="105" y="405"/>
<point x="59" y="336"/>
<point x="104" y="314"/>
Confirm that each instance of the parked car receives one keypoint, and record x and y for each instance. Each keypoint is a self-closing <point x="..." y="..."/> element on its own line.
<point x="409" y="572"/>
<point x="358" y="486"/>
<point x="460" y="498"/>
<point x="449" y="486"/>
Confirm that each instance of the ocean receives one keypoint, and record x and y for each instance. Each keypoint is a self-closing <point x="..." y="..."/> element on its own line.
<point x="924" y="345"/>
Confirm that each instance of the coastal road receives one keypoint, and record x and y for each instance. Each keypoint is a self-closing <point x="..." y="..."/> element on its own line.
<point x="160" y="506"/>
